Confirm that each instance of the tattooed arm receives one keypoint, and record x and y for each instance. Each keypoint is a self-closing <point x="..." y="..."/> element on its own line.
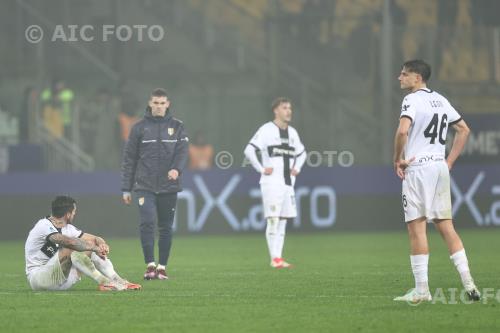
<point x="100" y="242"/>
<point x="76" y="244"/>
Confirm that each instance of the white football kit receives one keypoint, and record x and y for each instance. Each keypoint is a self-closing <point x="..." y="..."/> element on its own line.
<point x="426" y="187"/>
<point x="283" y="151"/>
<point x="43" y="268"/>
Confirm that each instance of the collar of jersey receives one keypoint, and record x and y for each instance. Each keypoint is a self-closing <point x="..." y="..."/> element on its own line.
<point x="427" y="90"/>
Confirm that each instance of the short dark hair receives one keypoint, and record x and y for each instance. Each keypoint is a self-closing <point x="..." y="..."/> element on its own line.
<point x="419" y="67"/>
<point x="278" y="101"/>
<point x="62" y="205"/>
<point x="158" y="92"/>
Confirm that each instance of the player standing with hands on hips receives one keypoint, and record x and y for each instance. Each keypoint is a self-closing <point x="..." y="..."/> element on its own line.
<point x="155" y="155"/>
<point x="282" y="156"/>
<point x="419" y="160"/>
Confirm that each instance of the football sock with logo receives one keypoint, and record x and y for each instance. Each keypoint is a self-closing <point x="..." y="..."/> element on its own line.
<point x="419" y="266"/>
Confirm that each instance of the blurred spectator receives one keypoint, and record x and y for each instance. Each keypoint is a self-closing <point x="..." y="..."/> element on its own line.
<point x="130" y="111"/>
<point x="201" y="153"/>
<point x="127" y="118"/>
<point x="57" y="108"/>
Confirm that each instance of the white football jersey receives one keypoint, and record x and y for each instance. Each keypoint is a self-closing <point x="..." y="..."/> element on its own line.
<point x="281" y="150"/>
<point x="38" y="248"/>
<point x="431" y="115"/>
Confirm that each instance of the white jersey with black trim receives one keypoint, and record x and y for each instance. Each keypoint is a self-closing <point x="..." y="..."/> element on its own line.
<point x="280" y="149"/>
<point x="431" y="115"/>
<point x="38" y="249"/>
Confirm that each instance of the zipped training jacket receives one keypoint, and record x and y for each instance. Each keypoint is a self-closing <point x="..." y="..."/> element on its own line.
<point x="155" y="146"/>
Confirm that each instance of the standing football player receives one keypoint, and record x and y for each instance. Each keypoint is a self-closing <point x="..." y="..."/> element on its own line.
<point x="420" y="162"/>
<point x="282" y="156"/>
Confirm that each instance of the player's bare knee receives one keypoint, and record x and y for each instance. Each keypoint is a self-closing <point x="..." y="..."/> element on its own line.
<point x="445" y="227"/>
<point x="417" y="227"/>
<point x="65" y="260"/>
<point x="64" y="254"/>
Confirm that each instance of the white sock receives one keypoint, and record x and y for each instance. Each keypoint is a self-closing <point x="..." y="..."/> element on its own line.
<point x="152" y="264"/>
<point x="105" y="266"/>
<point x="461" y="263"/>
<point x="280" y="238"/>
<point x="160" y="267"/>
<point x="271" y="232"/>
<point x="83" y="263"/>
<point x="419" y="266"/>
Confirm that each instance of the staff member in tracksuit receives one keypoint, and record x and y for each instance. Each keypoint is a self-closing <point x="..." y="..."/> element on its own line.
<point x="155" y="155"/>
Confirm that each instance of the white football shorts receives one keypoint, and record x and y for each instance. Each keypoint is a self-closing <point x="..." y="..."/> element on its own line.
<point x="278" y="200"/>
<point x="51" y="276"/>
<point x="426" y="192"/>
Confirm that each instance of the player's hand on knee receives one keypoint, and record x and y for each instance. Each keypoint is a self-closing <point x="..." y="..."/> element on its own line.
<point x="294" y="172"/>
<point x="99" y="251"/>
<point x="268" y="171"/>
<point x="104" y="248"/>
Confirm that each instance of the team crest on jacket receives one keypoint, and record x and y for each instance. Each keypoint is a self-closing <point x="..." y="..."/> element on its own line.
<point x="171" y="131"/>
<point x="141" y="201"/>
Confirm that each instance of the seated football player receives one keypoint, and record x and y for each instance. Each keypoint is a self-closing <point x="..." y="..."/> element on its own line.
<point x="57" y="253"/>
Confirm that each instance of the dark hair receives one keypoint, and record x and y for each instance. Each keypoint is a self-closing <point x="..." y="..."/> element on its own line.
<point x="158" y="92"/>
<point x="419" y="67"/>
<point x="62" y="205"/>
<point x="278" y="101"/>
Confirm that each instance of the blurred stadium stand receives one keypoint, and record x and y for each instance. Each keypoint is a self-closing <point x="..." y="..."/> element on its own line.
<point x="222" y="62"/>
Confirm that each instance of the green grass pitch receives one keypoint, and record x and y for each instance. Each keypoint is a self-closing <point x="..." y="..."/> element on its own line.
<point x="342" y="282"/>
